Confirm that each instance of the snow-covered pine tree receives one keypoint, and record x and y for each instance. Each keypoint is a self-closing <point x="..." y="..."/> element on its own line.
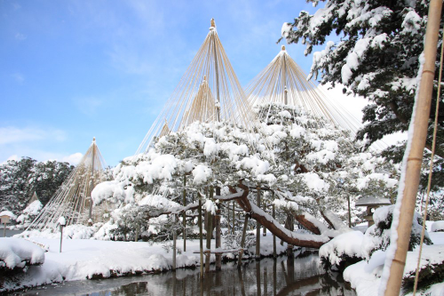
<point x="373" y="49"/>
<point x="312" y="168"/>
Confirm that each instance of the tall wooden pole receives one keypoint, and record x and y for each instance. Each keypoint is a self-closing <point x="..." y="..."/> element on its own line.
<point x="258" y="225"/>
<point x="184" y="217"/>
<point x="410" y="176"/>
<point x="200" y="237"/>
<point x="218" y="235"/>
<point x="92" y="177"/>
<point x="174" y="243"/>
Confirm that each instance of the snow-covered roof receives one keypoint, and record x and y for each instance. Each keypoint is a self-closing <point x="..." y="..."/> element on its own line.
<point x="8" y="214"/>
<point x="372" y="201"/>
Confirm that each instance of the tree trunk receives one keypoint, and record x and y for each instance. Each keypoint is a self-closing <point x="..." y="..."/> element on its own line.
<point x="272" y="225"/>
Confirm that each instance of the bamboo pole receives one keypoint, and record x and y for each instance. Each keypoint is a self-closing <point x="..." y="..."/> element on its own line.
<point x="209" y="227"/>
<point x="218" y="235"/>
<point x="417" y="143"/>
<point x="274" y="236"/>
<point x="174" y="243"/>
<point x="92" y="176"/>
<point x="200" y="237"/>
<point x="258" y="225"/>
<point x="184" y="217"/>
<point x="244" y="234"/>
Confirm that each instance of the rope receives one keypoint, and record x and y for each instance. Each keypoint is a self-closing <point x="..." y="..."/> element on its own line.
<point x="429" y="182"/>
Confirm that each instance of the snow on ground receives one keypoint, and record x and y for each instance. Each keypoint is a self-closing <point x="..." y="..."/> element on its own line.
<point x="365" y="276"/>
<point x="82" y="259"/>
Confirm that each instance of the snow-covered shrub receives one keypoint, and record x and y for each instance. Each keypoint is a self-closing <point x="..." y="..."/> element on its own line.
<point x="342" y="251"/>
<point x="30" y="213"/>
<point x="377" y="237"/>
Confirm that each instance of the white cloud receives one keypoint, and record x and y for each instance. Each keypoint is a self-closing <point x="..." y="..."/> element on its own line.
<point x="11" y="135"/>
<point x="72" y="159"/>
<point x="20" y="36"/>
<point x="35" y="142"/>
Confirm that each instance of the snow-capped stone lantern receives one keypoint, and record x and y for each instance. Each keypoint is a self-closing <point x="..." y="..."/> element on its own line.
<point x="372" y="203"/>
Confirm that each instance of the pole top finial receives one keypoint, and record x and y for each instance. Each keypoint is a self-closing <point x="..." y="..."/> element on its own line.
<point x="283" y="47"/>
<point x="94" y="139"/>
<point x="213" y="23"/>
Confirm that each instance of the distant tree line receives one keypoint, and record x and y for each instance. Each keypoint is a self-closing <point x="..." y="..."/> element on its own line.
<point x="19" y="180"/>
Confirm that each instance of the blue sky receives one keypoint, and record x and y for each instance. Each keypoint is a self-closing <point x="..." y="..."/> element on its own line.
<point x="73" y="70"/>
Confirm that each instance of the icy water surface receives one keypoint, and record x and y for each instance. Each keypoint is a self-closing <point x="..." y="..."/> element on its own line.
<point x="301" y="276"/>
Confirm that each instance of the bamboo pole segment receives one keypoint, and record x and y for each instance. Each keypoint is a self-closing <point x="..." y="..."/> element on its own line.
<point x="234" y="218"/>
<point x="184" y="217"/>
<point x="174" y="243"/>
<point x="200" y="237"/>
<point x="244" y="234"/>
<point x="429" y="181"/>
<point x="274" y="236"/>
<point x="218" y="235"/>
<point x="209" y="216"/>
<point x="258" y="225"/>
<point x="416" y="143"/>
<point x="92" y="177"/>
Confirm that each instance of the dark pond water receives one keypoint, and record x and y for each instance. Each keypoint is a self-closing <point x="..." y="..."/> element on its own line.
<point x="7" y="232"/>
<point x="301" y="276"/>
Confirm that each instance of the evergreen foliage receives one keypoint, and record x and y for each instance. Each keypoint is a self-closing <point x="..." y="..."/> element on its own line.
<point x="306" y="163"/>
<point x="20" y="179"/>
<point x="375" y="54"/>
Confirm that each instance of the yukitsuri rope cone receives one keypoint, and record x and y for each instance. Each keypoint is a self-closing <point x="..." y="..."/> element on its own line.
<point x="73" y="198"/>
<point x="208" y="91"/>
<point x="284" y="82"/>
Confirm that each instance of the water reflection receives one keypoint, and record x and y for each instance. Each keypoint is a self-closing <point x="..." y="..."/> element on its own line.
<point x="301" y="276"/>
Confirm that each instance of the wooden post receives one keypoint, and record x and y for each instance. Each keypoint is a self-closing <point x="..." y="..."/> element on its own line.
<point x="274" y="236"/>
<point x="258" y="225"/>
<point x="200" y="237"/>
<point x="234" y="219"/>
<point x="349" y="212"/>
<point x="258" y="278"/>
<point x="4" y="229"/>
<point x="218" y="235"/>
<point x="264" y="229"/>
<point x="244" y="234"/>
<point x="92" y="177"/>
<point x="289" y="224"/>
<point x="174" y="242"/>
<point x="209" y="235"/>
<point x="184" y="217"/>
<point x="410" y="177"/>
<point x="61" y="238"/>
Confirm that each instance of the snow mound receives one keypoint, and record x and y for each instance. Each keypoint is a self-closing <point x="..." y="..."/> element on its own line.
<point x="17" y="253"/>
<point x="343" y="247"/>
<point x="438" y="226"/>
